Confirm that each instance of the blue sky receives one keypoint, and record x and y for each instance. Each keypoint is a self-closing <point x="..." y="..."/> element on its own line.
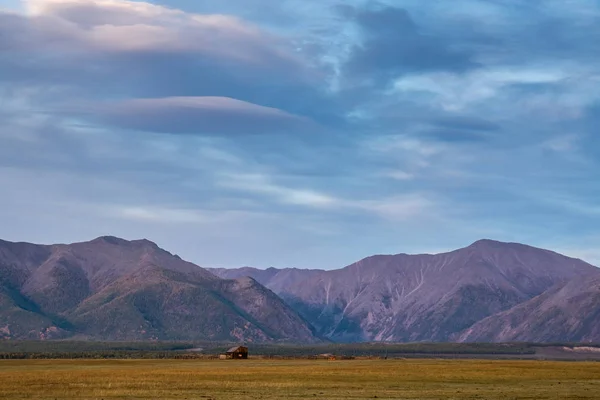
<point x="301" y="133"/>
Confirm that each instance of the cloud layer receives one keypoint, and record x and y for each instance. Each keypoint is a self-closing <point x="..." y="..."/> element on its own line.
<point x="197" y="115"/>
<point x="301" y="133"/>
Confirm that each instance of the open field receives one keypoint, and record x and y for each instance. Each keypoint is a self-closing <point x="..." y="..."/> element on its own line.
<point x="298" y="379"/>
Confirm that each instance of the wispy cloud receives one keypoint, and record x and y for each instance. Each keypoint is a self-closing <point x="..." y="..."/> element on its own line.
<point x="456" y="92"/>
<point x="397" y="207"/>
<point x="160" y="214"/>
<point x="195" y="115"/>
<point x="262" y="184"/>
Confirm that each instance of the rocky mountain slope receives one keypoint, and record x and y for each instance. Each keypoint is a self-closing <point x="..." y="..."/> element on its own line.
<point x="421" y="297"/>
<point x="566" y="312"/>
<point x="113" y="289"/>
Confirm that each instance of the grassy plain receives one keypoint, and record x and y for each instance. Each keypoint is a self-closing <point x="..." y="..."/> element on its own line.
<point x="298" y="379"/>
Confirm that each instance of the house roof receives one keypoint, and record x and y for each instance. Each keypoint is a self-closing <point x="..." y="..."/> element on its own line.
<point x="234" y="349"/>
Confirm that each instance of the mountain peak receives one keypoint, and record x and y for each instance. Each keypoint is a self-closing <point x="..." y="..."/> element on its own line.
<point x="110" y="240"/>
<point x="487" y="242"/>
<point x="491" y="243"/>
<point x="117" y="241"/>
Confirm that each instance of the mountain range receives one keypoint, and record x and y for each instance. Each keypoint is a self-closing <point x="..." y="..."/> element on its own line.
<point x="114" y="289"/>
<point x="488" y="291"/>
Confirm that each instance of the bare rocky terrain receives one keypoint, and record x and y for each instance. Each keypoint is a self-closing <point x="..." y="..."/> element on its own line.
<point x="466" y="294"/>
<point x="113" y="289"/>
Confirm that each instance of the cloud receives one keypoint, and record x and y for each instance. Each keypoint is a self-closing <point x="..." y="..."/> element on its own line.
<point x="163" y="215"/>
<point x="400" y="175"/>
<point x="262" y="184"/>
<point x="456" y="92"/>
<point x="410" y="206"/>
<point x="197" y="115"/>
<point x="465" y="123"/>
<point x="107" y="49"/>
<point x="456" y="135"/>
<point x="419" y="148"/>
<point x="129" y="26"/>
<point x="393" y="46"/>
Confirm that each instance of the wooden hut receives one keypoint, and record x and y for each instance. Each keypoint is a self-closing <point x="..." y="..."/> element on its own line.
<point x="237" y="353"/>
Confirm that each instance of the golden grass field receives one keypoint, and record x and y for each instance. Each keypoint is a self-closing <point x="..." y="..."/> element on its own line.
<point x="298" y="379"/>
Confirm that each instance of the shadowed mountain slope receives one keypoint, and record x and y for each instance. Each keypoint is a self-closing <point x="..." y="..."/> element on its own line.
<point x="565" y="313"/>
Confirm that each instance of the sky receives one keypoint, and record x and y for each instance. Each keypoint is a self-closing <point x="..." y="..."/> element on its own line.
<point x="299" y="133"/>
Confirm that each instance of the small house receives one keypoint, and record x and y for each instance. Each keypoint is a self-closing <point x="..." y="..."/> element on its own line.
<point x="237" y="353"/>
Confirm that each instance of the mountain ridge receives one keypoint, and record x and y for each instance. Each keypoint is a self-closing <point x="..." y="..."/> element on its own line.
<point x="423" y="297"/>
<point x="114" y="289"/>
